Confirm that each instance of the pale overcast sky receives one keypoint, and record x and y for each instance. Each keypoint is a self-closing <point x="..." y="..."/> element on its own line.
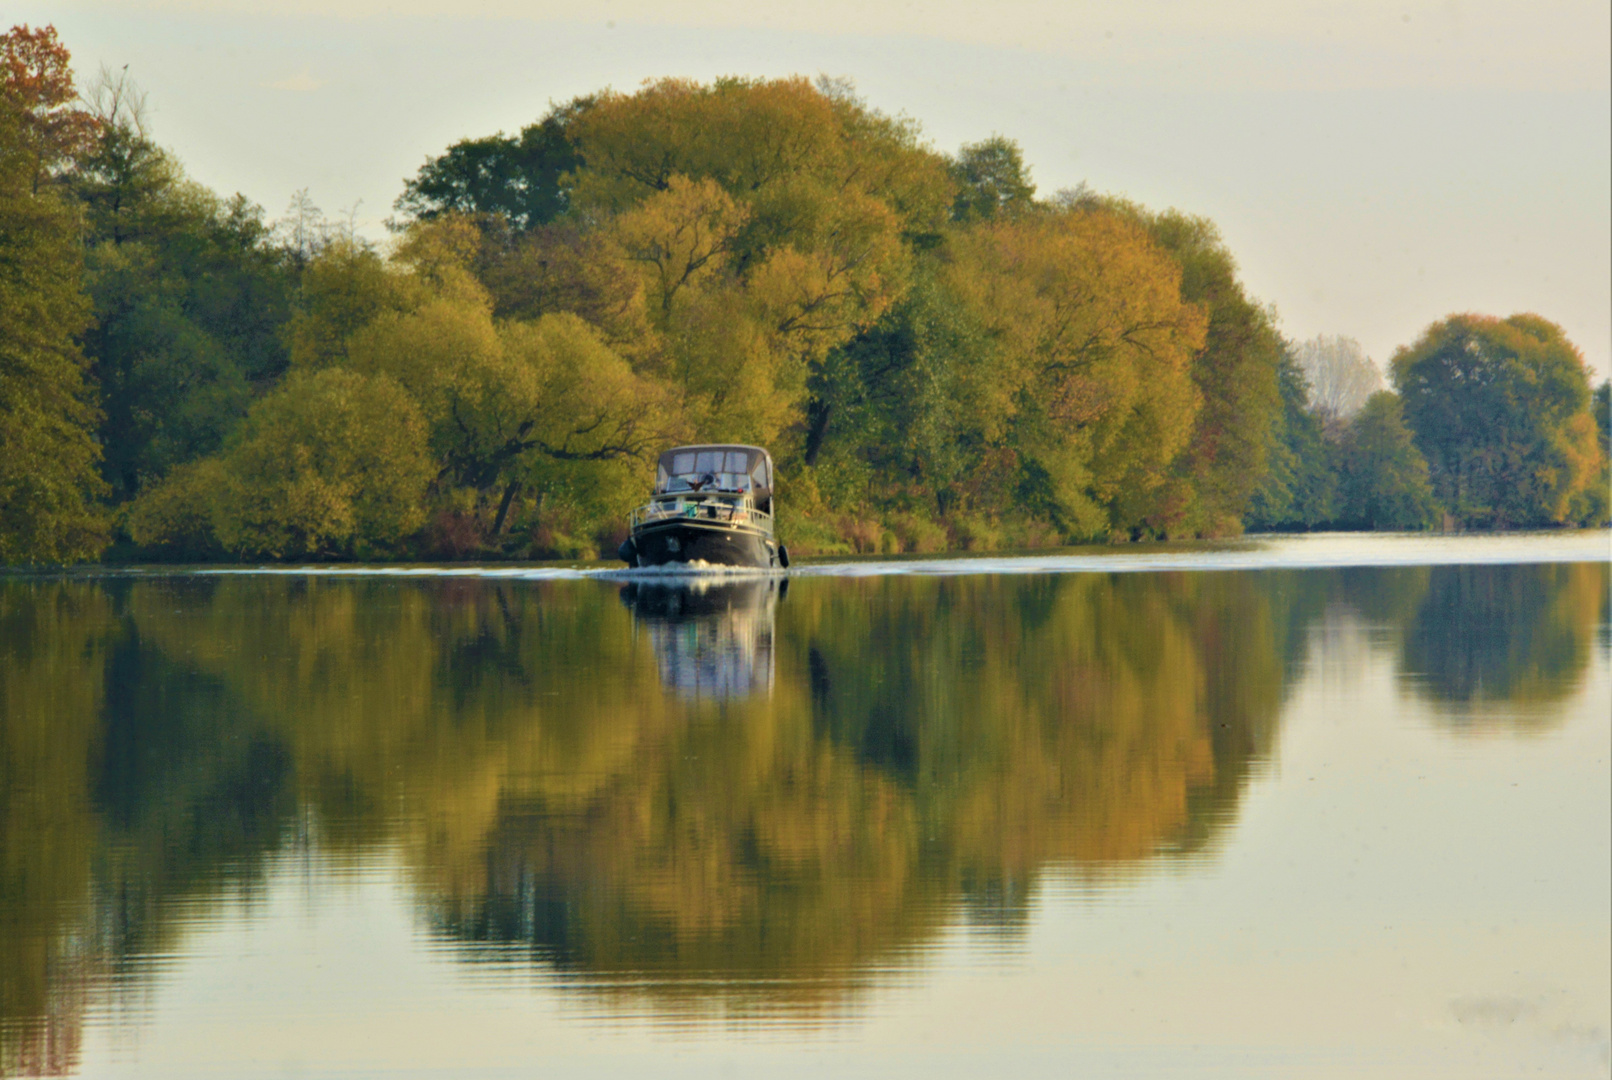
<point x="1374" y="166"/>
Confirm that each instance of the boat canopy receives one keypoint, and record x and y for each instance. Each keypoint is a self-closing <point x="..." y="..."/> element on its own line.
<point x="715" y="467"/>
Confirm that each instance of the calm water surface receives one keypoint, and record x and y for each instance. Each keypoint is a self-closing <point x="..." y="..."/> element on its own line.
<point x="1327" y="807"/>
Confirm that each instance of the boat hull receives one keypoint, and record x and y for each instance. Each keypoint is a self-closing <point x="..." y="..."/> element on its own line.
<point x="717" y="544"/>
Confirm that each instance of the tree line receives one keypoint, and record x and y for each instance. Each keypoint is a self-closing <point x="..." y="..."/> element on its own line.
<point x="938" y="357"/>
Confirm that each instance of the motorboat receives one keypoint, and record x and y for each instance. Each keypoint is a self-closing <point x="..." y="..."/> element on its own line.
<point x="712" y="507"/>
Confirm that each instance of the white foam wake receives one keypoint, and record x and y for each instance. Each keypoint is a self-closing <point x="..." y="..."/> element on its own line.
<point x="1312" y="551"/>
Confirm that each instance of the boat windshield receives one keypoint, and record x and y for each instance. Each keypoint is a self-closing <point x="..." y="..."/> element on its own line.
<point x="716" y="469"/>
<point x="727" y="498"/>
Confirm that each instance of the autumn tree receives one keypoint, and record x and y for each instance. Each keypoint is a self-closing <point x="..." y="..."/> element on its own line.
<point x="778" y="145"/>
<point x="1501" y="410"/>
<point x="934" y="356"/>
<point x="333" y="463"/>
<point x="1602" y="408"/>
<point x="1094" y="346"/>
<point x="1593" y="504"/>
<point x="1224" y="455"/>
<point x="564" y="267"/>
<point x="824" y="194"/>
<point x="1601" y="493"/>
<point x="48" y="455"/>
<point x="36" y="76"/>
<point x="345" y="287"/>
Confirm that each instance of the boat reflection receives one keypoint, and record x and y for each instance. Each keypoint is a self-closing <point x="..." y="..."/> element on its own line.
<point x="713" y="640"/>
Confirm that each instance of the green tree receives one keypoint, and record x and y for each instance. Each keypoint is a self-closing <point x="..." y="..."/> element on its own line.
<point x="897" y="399"/>
<point x="333" y="463"/>
<point x="517" y="408"/>
<point x="991" y="179"/>
<point x="1602" y="409"/>
<point x="524" y="178"/>
<point x="1501" y="410"/>
<point x="1300" y="486"/>
<point x="122" y="175"/>
<point x="187" y="334"/>
<point x="1592" y="505"/>
<point x="522" y="415"/>
<point x="190" y="292"/>
<point x="48" y="455"/>
<point x="1383" y="477"/>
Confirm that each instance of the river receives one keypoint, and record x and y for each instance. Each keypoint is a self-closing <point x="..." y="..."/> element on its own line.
<point x="1331" y="806"/>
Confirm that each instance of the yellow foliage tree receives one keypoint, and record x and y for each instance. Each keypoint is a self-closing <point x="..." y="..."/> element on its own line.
<point x="48" y="453"/>
<point x="1093" y="346"/>
<point x="343" y="289"/>
<point x="536" y="406"/>
<point x="767" y="217"/>
<point x="334" y="463"/>
<point x="680" y="238"/>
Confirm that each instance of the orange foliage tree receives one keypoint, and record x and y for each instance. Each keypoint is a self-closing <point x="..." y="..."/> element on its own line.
<point x="36" y="79"/>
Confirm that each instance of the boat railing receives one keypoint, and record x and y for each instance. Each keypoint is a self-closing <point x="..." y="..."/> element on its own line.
<point x="735" y="512"/>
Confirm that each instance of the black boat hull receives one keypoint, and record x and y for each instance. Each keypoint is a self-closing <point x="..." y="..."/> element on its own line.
<point x="717" y="544"/>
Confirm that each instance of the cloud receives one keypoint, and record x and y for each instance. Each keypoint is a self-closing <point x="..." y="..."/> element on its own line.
<point x="302" y="82"/>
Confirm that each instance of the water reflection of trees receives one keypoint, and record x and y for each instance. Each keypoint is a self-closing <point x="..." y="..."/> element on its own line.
<point x="927" y="746"/>
<point x="1516" y="637"/>
<point x="53" y="641"/>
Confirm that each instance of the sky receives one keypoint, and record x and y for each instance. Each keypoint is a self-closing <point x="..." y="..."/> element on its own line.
<point x="1373" y="166"/>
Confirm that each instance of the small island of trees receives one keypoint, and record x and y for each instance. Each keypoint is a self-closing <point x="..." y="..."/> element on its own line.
<point x="938" y="358"/>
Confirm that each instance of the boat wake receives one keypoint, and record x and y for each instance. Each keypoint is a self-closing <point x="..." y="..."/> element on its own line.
<point x="1248" y="553"/>
<point x="694" y="568"/>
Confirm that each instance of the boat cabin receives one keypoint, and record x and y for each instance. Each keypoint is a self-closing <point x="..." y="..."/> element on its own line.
<point x="716" y="469"/>
<point x="712" y="506"/>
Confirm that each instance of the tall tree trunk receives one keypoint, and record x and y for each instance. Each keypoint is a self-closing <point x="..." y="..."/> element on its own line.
<point x="817" y="414"/>
<point x="503" y="506"/>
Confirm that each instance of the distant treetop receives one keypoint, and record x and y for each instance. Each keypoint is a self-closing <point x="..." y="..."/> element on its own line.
<point x="522" y="177"/>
